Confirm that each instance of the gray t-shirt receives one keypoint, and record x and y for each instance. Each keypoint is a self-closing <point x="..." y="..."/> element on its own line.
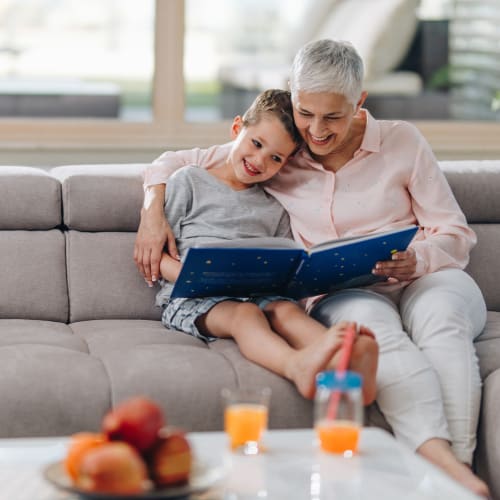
<point x="201" y="209"/>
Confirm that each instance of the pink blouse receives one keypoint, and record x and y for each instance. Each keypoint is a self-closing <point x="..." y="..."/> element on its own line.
<point x="392" y="181"/>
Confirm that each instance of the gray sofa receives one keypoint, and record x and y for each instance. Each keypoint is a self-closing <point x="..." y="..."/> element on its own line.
<point x="79" y="331"/>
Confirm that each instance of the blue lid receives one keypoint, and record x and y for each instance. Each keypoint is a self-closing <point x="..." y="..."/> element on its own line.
<point x="340" y="381"/>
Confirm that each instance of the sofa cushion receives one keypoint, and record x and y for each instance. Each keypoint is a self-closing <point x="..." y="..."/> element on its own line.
<point x="487" y="456"/>
<point x="33" y="275"/>
<point x="29" y="199"/>
<point x="488" y="345"/>
<point x="137" y="353"/>
<point x="103" y="281"/>
<point x="49" y="333"/>
<point x="288" y="409"/>
<point x="381" y="30"/>
<point x="190" y="388"/>
<point x="51" y="384"/>
<point x="483" y="259"/>
<point x="101" y="197"/>
<point x="476" y="185"/>
<point x="102" y="336"/>
<point x="187" y="381"/>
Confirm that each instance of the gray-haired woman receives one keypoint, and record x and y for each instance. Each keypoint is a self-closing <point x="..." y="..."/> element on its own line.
<point x="357" y="175"/>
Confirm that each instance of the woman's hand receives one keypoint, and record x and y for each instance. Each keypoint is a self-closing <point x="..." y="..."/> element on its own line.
<point x="401" y="268"/>
<point x="153" y="234"/>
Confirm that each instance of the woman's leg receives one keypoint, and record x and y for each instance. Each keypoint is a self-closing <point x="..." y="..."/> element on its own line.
<point x="439" y="452"/>
<point x="408" y="391"/>
<point x="443" y="312"/>
<point x="408" y="388"/>
<point x="248" y="326"/>
<point x="290" y="321"/>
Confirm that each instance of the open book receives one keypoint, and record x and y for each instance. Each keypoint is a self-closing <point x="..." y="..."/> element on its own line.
<point x="276" y="266"/>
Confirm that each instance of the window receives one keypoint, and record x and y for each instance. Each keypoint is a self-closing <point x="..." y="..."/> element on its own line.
<point x="430" y="63"/>
<point x="229" y="59"/>
<point x="76" y="59"/>
<point x="475" y="60"/>
<point x="189" y="69"/>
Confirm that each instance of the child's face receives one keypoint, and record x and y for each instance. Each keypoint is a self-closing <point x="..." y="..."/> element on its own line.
<point x="259" y="150"/>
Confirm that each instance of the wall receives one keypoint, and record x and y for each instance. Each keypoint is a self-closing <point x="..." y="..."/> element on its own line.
<point x="54" y="157"/>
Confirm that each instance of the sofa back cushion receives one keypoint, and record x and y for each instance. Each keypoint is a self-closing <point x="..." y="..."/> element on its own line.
<point x="33" y="275"/>
<point x="101" y="209"/>
<point x="101" y="197"/>
<point x="29" y="199"/>
<point x="483" y="265"/>
<point x="103" y="280"/>
<point x="32" y="249"/>
<point x="476" y="185"/>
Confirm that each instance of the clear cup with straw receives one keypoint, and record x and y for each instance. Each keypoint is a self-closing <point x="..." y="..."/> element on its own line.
<point x="338" y="411"/>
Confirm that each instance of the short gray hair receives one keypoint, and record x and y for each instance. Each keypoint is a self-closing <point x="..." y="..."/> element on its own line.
<point x="328" y="66"/>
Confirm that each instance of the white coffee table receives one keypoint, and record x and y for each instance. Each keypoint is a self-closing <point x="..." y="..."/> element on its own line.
<point x="291" y="468"/>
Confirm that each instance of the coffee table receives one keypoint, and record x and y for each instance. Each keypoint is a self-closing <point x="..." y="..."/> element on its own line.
<point x="291" y="468"/>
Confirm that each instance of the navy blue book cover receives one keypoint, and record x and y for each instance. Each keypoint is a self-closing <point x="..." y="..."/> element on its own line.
<point x="347" y="264"/>
<point x="244" y="272"/>
<point x="236" y="272"/>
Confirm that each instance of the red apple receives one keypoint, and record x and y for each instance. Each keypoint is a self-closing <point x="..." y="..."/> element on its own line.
<point x="135" y="421"/>
<point x="113" y="468"/>
<point x="171" y="459"/>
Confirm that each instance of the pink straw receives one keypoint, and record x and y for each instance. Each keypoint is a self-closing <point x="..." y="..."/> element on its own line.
<point x="346" y="351"/>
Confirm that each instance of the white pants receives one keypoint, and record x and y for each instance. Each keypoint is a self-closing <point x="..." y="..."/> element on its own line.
<point x="428" y="383"/>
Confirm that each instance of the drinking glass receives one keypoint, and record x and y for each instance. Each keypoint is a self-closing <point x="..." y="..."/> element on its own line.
<point x="338" y="411"/>
<point x="245" y="418"/>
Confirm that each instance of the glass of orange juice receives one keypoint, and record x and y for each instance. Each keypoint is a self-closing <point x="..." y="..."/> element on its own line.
<point x="338" y="411"/>
<point x="245" y="418"/>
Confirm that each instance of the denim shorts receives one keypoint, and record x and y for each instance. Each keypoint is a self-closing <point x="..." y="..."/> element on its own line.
<point x="181" y="314"/>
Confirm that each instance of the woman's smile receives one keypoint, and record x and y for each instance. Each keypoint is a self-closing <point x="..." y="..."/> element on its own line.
<point x="321" y="141"/>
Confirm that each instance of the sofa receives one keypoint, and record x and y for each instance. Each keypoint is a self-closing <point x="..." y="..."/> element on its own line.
<point x="384" y="33"/>
<point x="79" y="331"/>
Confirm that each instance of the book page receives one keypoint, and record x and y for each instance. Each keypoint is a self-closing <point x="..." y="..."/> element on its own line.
<point x="341" y="241"/>
<point x="269" y="242"/>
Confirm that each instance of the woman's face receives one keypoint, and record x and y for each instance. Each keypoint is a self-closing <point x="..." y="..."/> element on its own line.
<point x="324" y="120"/>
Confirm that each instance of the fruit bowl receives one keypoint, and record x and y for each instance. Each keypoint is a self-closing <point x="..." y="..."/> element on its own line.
<point x="203" y="476"/>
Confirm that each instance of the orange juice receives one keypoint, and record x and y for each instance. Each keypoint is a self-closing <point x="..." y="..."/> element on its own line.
<point x="245" y="423"/>
<point x="338" y="436"/>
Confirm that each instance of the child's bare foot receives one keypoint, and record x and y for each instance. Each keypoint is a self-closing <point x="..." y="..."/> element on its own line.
<point x="439" y="452"/>
<point x="364" y="360"/>
<point x="306" y="363"/>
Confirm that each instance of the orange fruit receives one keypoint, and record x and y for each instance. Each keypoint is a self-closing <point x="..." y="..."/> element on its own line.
<point x="80" y="443"/>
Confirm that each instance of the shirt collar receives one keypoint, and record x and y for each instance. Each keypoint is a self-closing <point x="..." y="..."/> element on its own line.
<point x="371" y="139"/>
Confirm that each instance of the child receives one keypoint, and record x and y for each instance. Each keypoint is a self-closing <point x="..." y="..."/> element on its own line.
<point x="224" y="203"/>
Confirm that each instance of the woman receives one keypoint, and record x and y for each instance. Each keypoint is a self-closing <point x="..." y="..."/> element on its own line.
<point x="357" y="175"/>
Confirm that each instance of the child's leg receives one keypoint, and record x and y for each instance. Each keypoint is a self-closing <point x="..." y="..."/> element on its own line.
<point x="290" y="321"/>
<point x="249" y="327"/>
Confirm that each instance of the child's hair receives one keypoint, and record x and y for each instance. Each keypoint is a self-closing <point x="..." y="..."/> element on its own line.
<point x="277" y="103"/>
